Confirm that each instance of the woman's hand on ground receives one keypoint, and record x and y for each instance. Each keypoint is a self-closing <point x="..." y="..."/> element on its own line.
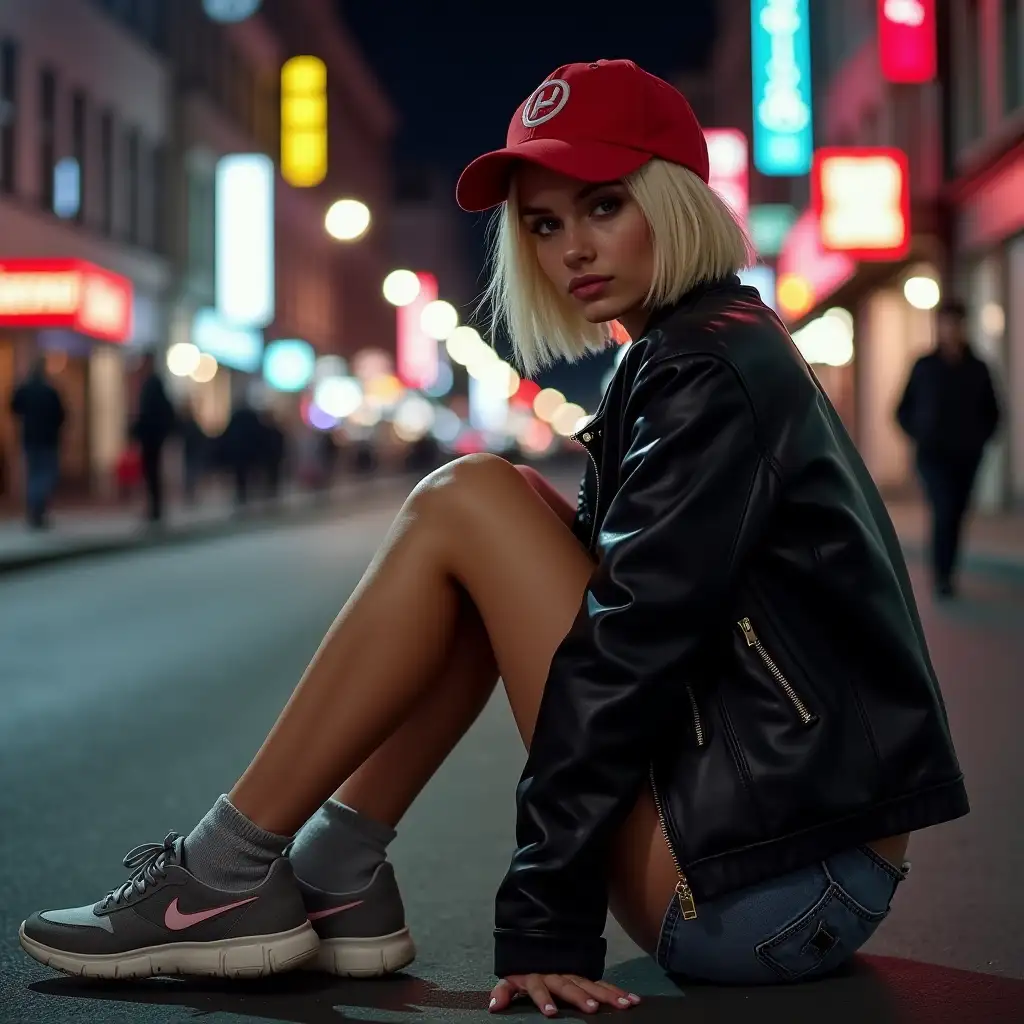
<point x="544" y="989"/>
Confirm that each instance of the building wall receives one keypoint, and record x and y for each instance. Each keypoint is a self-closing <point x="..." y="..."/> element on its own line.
<point x="987" y="168"/>
<point x="121" y="85"/>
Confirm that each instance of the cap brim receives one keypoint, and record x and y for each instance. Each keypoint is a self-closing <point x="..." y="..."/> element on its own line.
<point x="485" y="182"/>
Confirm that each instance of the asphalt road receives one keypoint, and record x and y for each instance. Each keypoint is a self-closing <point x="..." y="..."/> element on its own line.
<point x="134" y="689"/>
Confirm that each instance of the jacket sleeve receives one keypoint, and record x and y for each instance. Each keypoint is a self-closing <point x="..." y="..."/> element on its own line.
<point x="695" y="489"/>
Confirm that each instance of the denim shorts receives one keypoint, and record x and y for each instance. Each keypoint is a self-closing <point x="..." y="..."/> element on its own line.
<point x="791" y="928"/>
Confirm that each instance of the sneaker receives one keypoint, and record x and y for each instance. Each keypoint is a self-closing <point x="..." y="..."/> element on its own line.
<point x="363" y="933"/>
<point x="163" y="920"/>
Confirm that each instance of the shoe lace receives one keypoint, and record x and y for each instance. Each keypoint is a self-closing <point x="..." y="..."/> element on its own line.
<point x="148" y="864"/>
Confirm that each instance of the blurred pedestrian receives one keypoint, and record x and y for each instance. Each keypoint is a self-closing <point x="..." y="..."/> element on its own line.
<point x="950" y="411"/>
<point x="715" y="661"/>
<point x="37" y="403"/>
<point x="274" y="452"/>
<point x="242" y="448"/>
<point x="155" y="422"/>
<point x="195" y="446"/>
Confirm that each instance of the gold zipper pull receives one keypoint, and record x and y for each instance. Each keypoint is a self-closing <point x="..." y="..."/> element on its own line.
<point x="748" y="631"/>
<point x="686" y="902"/>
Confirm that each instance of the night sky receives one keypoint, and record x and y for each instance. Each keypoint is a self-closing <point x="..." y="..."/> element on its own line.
<point x="456" y="70"/>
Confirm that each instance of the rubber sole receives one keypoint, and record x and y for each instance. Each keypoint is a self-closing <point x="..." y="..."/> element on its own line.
<point x="364" y="958"/>
<point x="246" y="957"/>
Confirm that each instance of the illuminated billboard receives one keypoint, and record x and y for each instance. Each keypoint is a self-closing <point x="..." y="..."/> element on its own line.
<point x="728" y="160"/>
<point x="304" y="121"/>
<point x="66" y="293"/>
<point x="244" y="245"/>
<point x="861" y="196"/>
<point x="417" y="361"/>
<point x="781" y="72"/>
<point x="907" y="41"/>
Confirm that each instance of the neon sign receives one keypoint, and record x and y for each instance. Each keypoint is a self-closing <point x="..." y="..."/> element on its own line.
<point x="66" y="293"/>
<point x="418" y="357"/>
<point x="906" y="40"/>
<point x="783" y="111"/>
<point x="807" y="273"/>
<point x="862" y="197"/>
<point x="728" y="159"/>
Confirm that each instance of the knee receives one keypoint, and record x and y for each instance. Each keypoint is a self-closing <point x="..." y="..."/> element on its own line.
<point x="473" y="481"/>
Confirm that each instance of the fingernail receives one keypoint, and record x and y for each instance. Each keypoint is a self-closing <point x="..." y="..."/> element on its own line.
<point x="493" y="1001"/>
<point x="635" y="998"/>
<point x="623" y="1001"/>
<point x="549" y="1008"/>
<point x="592" y="1003"/>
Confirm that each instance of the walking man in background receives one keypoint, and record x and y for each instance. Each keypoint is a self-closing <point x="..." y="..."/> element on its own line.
<point x="38" y="405"/>
<point x="949" y="410"/>
<point x="154" y="423"/>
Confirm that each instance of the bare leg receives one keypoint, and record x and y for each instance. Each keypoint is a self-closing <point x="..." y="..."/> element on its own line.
<point x="474" y="527"/>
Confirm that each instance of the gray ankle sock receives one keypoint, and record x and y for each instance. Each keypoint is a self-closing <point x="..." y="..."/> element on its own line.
<point x="339" y="849"/>
<point x="228" y="851"/>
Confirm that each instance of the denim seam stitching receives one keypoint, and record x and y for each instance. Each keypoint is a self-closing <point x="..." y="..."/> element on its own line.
<point x="850" y="903"/>
<point x="891" y="871"/>
<point x="762" y="949"/>
<point x="668" y="929"/>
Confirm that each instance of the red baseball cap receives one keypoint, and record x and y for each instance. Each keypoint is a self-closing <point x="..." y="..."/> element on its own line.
<point x="596" y="122"/>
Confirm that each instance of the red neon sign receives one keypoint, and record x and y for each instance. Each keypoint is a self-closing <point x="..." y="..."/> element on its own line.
<point x="906" y="40"/>
<point x="861" y="196"/>
<point x="72" y="294"/>
<point x="729" y="162"/>
<point x="417" y="351"/>
<point x="807" y="274"/>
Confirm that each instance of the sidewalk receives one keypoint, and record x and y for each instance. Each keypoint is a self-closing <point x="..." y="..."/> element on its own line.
<point x="78" y="533"/>
<point x="992" y="543"/>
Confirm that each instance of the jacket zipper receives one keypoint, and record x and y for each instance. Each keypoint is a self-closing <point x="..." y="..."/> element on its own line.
<point x="697" y="727"/>
<point x="683" y="892"/>
<point x="753" y="640"/>
<point x="586" y="436"/>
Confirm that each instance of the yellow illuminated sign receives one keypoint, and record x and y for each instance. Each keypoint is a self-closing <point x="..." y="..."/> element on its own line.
<point x="304" y="121"/>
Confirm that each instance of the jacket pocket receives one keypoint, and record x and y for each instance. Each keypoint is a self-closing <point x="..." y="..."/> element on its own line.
<point x="754" y="642"/>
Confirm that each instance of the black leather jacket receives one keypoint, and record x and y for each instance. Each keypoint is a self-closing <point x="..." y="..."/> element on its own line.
<point x="748" y="646"/>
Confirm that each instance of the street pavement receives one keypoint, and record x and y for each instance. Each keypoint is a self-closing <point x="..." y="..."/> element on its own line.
<point x="135" y="689"/>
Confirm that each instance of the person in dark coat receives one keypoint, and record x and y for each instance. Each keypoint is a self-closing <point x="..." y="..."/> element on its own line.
<point x="194" y="451"/>
<point x="38" y="405"/>
<point x="950" y="411"/>
<point x="154" y="424"/>
<point x="242" y="448"/>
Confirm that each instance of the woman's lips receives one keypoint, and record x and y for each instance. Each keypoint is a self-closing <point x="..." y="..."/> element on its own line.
<point x="590" y="289"/>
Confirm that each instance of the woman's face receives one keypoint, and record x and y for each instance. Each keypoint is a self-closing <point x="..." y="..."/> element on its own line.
<point x="592" y="242"/>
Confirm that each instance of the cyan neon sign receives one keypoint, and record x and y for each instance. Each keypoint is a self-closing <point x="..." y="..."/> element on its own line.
<point x="783" y="112"/>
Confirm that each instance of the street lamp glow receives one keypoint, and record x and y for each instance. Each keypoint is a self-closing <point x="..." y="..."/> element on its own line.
<point x="347" y="220"/>
<point x="183" y="359"/>
<point x="463" y="344"/>
<point x="401" y="287"/>
<point x="566" y="417"/>
<point x="206" y="369"/>
<point x="922" y="292"/>
<point x="439" y="319"/>
<point x="547" y="403"/>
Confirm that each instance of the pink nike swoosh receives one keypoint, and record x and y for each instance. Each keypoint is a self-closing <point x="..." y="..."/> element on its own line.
<point x="317" y="914"/>
<point x="176" y="920"/>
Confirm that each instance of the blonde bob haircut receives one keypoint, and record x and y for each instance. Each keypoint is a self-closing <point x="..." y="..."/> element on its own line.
<point x="695" y="238"/>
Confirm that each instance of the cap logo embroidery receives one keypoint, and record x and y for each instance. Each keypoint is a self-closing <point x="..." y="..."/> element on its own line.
<point x="545" y="101"/>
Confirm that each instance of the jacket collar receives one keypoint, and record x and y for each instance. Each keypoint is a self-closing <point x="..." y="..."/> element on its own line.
<point x="688" y="299"/>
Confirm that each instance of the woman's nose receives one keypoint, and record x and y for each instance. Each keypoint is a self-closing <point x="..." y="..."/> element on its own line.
<point x="578" y="250"/>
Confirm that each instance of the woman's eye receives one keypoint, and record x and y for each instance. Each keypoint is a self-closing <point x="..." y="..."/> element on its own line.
<point x="544" y="226"/>
<point x="608" y="205"/>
